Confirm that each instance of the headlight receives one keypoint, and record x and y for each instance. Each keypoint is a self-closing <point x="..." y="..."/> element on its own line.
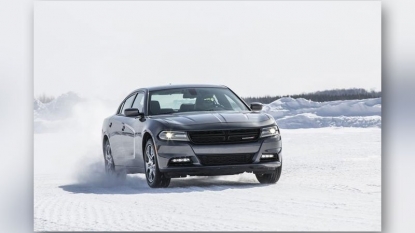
<point x="270" y="131"/>
<point x="173" y="135"/>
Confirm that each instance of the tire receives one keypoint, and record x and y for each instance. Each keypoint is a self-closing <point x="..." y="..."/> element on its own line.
<point x="155" y="178"/>
<point x="109" y="163"/>
<point x="165" y="183"/>
<point x="270" y="178"/>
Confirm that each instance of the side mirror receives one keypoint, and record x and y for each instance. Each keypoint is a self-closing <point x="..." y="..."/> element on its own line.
<point x="256" y="106"/>
<point x="132" y="112"/>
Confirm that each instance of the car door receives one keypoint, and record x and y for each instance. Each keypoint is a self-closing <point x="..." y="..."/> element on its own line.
<point x="118" y="148"/>
<point x="131" y="134"/>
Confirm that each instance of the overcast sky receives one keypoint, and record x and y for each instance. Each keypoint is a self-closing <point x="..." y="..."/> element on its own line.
<point x="107" y="49"/>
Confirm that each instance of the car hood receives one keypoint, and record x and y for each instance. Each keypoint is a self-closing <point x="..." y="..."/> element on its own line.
<point x="211" y="120"/>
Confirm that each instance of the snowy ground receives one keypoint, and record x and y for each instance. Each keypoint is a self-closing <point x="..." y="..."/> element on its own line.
<point x="331" y="180"/>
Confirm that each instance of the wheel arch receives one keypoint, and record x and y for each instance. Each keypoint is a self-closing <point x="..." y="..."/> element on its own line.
<point x="147" y="135"/>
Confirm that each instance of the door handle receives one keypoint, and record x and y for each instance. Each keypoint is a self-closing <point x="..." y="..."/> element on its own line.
<point x="123" y="127"/>
<point x="110" y="124"/>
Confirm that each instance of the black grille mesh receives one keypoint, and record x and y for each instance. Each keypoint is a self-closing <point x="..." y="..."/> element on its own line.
<point x="224" y="136"/>
<point x="225" y="159"/>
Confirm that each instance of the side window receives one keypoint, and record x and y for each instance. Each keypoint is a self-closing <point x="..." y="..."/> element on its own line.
<point x="139" y="102"/>
<point x="127" y="104"/>
<point x="120" y="108"/>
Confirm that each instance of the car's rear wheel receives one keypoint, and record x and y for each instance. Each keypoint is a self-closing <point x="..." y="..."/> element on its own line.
<point x="155" y="178"/>
<point x="270" y="178"/>
<point x="109" y="162"/>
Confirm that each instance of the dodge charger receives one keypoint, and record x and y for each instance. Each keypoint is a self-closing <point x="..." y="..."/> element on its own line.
<point x="190" y="130"/>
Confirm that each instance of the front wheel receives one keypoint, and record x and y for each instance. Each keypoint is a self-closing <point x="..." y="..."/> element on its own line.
<point x="155" y="179"/>
<point x="270" y="178"/>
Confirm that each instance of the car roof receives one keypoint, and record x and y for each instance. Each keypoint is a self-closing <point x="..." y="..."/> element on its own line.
<point x="166" y="87"/>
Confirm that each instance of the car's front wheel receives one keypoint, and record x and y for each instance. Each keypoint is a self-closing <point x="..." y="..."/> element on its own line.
<point x="270" y="178"/>
<point x="155" y="179"/>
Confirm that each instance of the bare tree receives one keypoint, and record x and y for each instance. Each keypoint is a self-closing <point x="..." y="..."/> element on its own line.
<point x="45" y="98"/>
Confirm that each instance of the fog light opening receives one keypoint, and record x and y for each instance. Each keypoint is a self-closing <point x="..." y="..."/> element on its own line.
<point x="180" y="160"/>
<point x="267" y="156"/>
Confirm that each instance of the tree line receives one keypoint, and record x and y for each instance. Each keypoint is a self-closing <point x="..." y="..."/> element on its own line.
<point x="321" y="96"/>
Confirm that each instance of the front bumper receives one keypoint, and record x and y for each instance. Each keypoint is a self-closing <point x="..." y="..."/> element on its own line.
<point x="173" y="172"/>
<point x="166" y="150"/>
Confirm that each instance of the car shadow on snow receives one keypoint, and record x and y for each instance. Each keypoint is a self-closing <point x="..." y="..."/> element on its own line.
<point x="136" y="184"/>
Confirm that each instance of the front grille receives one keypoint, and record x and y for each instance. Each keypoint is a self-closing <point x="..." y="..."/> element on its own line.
<point x="225" y="159"/>
<point x="224" y="136"/>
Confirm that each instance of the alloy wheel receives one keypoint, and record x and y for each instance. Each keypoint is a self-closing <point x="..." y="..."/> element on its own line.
<point x="109" y="161"/>
<point x="150" y="163"/>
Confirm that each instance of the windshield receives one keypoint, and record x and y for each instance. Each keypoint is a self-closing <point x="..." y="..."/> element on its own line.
<point x="194" y="99"/>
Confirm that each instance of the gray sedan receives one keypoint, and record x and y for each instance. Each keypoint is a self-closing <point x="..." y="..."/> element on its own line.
<point x="198" y="130"/>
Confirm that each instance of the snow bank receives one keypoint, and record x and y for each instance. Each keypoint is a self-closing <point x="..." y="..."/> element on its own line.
<point x="59" y="108"/>
<point x="71" y="112"/>
<point x="301" y="113"/>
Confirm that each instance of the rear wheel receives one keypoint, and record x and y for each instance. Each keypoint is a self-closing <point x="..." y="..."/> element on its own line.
<point x="155" y="178"/>
<point x="109" y="162"/>
<point x="270" y="178"/>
